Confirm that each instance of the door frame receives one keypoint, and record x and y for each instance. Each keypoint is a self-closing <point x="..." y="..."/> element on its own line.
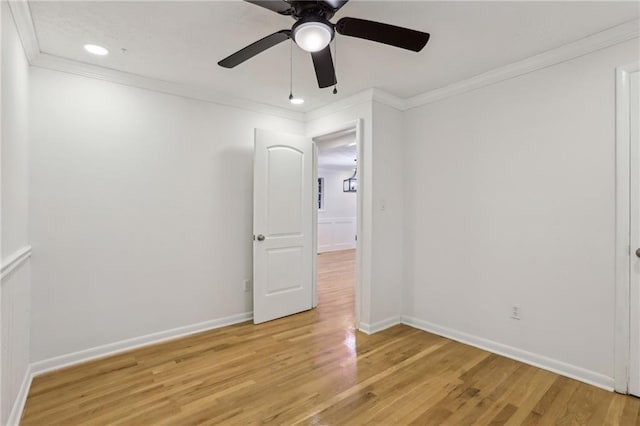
<point x="622" y="246"/>
<point x="356" y="125"/>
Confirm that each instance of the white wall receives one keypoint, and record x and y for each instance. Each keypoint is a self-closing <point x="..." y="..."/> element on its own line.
<point x="15" y="284"/>
<point x="388" y="221"/>
<point x="141" y="211"/>
<point x="510" y="201"/>
<point x="380" y="169"/>
<point x="337" y="220"/>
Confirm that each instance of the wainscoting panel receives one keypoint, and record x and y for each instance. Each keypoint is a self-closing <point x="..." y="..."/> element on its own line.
<point x="337" y="233"/>
<point x="16" y="295"/>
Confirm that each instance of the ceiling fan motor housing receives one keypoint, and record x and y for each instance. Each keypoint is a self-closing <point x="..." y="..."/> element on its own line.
<point x="305" y="9"/>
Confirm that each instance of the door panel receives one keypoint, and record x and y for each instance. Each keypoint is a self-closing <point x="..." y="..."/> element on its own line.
<point x="285" y="190"/>
<point x="285" y="272"/>
<point x="282" y="224"/>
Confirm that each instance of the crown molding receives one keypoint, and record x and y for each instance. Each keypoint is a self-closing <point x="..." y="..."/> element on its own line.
<point x="607" y="38"/>
<point x="388" y="99"/>
<point x="601" y="40"/>
<point x="342" y="104"/>
<point x="369" y="95"/>
<point x="26" y="30"/>
<point x="584" y="46"/>
<point x="24" y="23"/>
<point x="44" y="60"/>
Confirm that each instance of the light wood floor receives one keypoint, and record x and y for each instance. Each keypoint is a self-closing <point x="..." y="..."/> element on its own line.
<point x="313" y="368"/>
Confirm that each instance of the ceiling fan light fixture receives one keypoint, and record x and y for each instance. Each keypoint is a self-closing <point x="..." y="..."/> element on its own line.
<point x="312" y="36"/>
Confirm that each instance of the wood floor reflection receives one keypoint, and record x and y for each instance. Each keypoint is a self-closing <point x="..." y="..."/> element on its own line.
<point x="314" y="368"/>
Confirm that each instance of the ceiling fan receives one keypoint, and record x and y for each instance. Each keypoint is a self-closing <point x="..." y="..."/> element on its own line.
<point x="313" y="32"/>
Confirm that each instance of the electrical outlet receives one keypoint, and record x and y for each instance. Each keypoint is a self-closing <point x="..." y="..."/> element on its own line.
<point x="247" y="285"/>
<point x="515" y="312"/>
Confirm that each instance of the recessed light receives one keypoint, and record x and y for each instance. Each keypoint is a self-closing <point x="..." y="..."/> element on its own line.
<point x="94" y="49"/>
<point x="295" y="101"/>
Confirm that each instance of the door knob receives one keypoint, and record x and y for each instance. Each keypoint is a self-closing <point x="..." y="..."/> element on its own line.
<point x="260" y="237"/>
<point x="638" y="252"/>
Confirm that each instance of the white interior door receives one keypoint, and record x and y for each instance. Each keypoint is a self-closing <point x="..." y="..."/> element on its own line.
<point x="282" y="225"/>
<point x="634" y="323"/>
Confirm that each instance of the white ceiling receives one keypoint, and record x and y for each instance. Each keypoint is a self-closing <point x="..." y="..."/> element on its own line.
<point x="336" y="157"/>
<point x="182" y="42"/>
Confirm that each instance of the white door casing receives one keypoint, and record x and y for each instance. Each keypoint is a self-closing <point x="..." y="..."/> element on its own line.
<point x="634" y="273"/>
<point x="627" y="272"/>
<point x="283" y="204"/>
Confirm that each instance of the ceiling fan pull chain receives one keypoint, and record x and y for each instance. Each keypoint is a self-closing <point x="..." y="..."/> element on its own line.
<point x="335" y="61"/>
<point x="291" y="70"/>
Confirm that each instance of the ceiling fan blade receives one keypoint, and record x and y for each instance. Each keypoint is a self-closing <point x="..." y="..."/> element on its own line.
<point x="323" y="63"/>
<point x="253" y="49"/>
<point x="336" y="4"/>
<point x="278" y="6"/>
<point x="383" y="33"/>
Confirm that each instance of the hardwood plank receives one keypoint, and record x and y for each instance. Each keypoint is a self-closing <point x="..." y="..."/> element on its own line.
<point x="315" y="368"/>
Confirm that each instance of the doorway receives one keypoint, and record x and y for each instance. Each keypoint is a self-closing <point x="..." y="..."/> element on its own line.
<point x="337" y="213"/>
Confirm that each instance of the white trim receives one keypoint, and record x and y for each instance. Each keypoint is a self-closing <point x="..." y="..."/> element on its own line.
<point x="363" y="236"/>
<point x="15" y="261"/>
<point x="45" y="366"/>
<point x="18" y="405"/>
<point x="622" y="248"/>
<point x="559" y="367"/>
<point x="584" y="46"/>
<point x="369" y="95"/>
<point x="380" y="325"/>
<point x="67" y="360"/>
<point x="56" y="63"/>
<point x="26" y="30"/>
<point x="388" y="99"/>
<point x="314" y="230"/>
<point x="342" y="104"/>
<point x="24" y="24"/>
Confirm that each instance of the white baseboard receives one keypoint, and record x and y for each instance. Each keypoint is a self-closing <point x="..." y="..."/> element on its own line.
<point x="21" y="399"/>
<point x="379" y="325"/>
<point x="56" y="363"/>
<point x="559" y="367"/>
